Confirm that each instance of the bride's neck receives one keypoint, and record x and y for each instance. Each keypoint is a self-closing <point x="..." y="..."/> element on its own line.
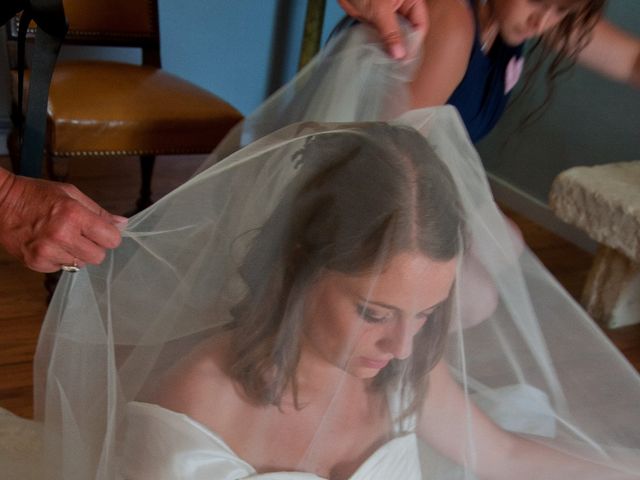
<point x="317" y="376"/>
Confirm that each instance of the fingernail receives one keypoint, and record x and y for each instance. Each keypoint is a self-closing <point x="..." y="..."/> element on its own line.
<point x="397" y="51"/>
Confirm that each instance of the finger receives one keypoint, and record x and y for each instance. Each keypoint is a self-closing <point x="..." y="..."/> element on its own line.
<point x="71" y="249"/>
<point x="349" y="9"/>
<point x="417" y="13"/>
<point x="99" y="231"/>
<point x="95" y="223"/>
<point x="43" y="266"/>
<point x="84" y="251"/>
<point x="92" y="206"/>
<point x="85" y="201"/>
<point x="119" y="221"/>
<point x="387" y="25"/>
<point x="71" y="261"/>
<point x="47" y="257"/>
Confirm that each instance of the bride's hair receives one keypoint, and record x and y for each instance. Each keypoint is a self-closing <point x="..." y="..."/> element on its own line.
<point x="366" y="194"/>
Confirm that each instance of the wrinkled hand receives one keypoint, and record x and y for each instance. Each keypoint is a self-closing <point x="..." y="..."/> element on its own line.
<point x="382" y="15"/>
<point x="48" y="224"/>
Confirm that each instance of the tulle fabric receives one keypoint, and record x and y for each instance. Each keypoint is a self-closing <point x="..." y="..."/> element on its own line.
<point x="533" y="388"/>
<point x="349" y="80"/>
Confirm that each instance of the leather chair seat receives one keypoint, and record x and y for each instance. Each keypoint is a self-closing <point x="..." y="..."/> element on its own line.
<point x="110" y="108"/>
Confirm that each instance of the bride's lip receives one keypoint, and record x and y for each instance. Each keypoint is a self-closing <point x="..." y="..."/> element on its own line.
<point x="374" y="363"/>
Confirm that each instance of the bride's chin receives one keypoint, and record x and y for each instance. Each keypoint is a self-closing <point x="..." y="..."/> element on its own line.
<point x="366" y="374"/>
<point x="362" y="372"/>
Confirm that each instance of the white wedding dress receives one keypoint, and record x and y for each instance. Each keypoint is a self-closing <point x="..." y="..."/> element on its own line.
<point x="165" y="445"/>
<point x="191" y="451"/>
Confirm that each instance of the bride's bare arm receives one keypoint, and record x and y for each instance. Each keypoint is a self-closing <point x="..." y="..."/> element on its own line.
<point x="453" y="425"/>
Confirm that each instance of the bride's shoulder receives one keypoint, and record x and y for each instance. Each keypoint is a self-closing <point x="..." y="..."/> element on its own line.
<point x="198" y="382"/>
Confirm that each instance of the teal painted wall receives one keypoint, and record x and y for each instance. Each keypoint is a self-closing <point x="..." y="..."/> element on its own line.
<point x="241" y="50"/>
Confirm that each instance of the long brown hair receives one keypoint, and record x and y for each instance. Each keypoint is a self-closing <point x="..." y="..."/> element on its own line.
<point x="559" y="48"/>
<point x="365" y="193"/>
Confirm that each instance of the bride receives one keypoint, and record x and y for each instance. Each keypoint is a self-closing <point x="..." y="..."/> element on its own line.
<point x="366" y="238"/>
<point x="331" y="362"/>
<point x="301" y="310"/>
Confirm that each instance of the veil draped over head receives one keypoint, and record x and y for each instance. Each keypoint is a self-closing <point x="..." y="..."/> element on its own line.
<point x="330" y="300"/>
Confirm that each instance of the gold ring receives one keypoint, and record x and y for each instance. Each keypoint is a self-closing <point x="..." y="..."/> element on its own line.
<point x="71" y="268"/>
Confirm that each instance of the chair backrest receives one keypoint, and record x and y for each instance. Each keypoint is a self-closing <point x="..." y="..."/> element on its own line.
<point x="131" y="23"/>
<point x="126" y="23"/>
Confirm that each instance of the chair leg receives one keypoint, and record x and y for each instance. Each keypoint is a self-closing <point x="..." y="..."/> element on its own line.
<point x="57" y="169"/>
<point x="146" y="171"/>
<point x="13" y="146"/>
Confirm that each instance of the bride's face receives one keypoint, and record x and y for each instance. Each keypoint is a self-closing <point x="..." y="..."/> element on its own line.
<point x="361" y="322"/>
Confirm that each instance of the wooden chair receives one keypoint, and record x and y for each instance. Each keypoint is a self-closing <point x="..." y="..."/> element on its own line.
<point x="104" y="108"/>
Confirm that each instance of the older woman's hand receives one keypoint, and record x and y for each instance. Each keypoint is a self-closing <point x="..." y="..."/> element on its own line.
<point x="49" y="224"/>
<point x="382" y="15"/>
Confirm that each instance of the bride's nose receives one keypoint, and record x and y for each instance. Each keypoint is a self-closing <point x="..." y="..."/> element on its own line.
<point x="398" y="340"/>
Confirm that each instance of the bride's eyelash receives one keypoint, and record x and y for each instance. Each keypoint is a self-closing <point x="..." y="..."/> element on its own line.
<point x="368" y="315"/>
<point x="431" y="311"/>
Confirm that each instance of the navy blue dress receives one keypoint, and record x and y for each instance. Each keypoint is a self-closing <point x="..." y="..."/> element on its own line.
<point x="482" y="95"/>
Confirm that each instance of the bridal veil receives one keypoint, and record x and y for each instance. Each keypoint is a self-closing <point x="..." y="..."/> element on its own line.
<point x="227" y="266"/>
